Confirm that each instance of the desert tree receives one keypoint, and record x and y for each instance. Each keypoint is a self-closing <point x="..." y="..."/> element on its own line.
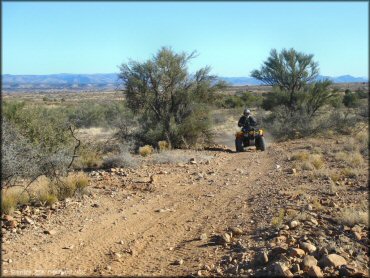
<point x="168" y="101"/>
<point x="290" y="70"/>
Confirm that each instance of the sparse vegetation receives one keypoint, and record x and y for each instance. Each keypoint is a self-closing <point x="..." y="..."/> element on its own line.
<point x="353" y="216"/>
<point x="146" y="150"/>
<point x="278" y="220"/>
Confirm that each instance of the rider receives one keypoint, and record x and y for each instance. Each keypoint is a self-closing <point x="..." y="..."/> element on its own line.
<point x="246" y="121"/>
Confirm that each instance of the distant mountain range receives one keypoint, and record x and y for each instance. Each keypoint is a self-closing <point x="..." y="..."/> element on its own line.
<point x="110" y="81"/>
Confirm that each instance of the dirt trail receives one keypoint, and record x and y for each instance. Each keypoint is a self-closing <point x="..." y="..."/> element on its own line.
<point x="121" y="231"/>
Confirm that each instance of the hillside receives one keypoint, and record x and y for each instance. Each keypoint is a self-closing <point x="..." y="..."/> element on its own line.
<point x="110" y="81"/>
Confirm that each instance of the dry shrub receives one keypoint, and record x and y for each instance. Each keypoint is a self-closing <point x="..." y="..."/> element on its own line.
<point x="278" y="220"/>
<point x="354" y="160"/>
<point x="334" y="176"/>
<point x="121" y="160"/>
<point x="8" y="203"/>
<point x="351" y="145"/>
<point x="12" y="199"/>
<point x="163" y="145"/>
<point x="301" y="156"/>
<point x="316" y="204"/>
<point x="146" y="150"/>
<point x="88" y="158"/>
<point x="317" y="161"/>
<point x="352" y="216"/>
<point x="69" y="186"/>
<point x="341" y="156"/>
<point x="350" y="172"/>
<point x="306" y="165"/>
<point x="291" y="214"/>
<point x="47" y="198"/>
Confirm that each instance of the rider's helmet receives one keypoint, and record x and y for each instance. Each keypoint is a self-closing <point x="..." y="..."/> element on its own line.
<point x="247" y="112"/>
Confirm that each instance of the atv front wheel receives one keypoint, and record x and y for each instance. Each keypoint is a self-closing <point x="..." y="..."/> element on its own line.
<point x="239" y="145"/>
<point x="260" y="143"/>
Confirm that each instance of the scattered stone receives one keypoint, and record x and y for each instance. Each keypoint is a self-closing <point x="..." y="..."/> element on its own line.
<point x="70" y="247"/>
<point x="282" y="270"/>
<point x="293" y="224"/>
<point x="117" y="256"/>
<point x="295" y="268"/>
<point x="12" y="224"/>
<point x="203" y="237"/>
<point x="309" y="261"/>
<point x="308" y="247"/>
<point x="8" y="218"/>
<point x="28" y="220"/>
<point x="313" y="221"/>
<point x="357" y="235"/>
<point x="285" y="227"/>
<point x="95" y="205"/>
<point x="226" y="237"/>
<point x="315" y="271"/>
<point x="262" y="258"/>
<point x="236" y="231"/>
<point x="108" y="267"/>
<point x="332" y="260"/>
<point x="50" y="232"/>
<point x="179" y="262"/>
<point x="347" y="271"/>
<point x="296" y="252"/>
<point x="192" y="161"/>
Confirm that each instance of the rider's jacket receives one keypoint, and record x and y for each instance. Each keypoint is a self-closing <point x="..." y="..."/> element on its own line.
<point x="247" y="121"/>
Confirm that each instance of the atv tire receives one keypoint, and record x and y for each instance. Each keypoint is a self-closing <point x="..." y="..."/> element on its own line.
<point x="260" y="144"/>
<point x="239" y="145"/>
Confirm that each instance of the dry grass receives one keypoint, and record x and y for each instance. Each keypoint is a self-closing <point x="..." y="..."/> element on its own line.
<point x="307" y="161"/>
<point x="317" y="161"/>
<point x="354" y="159"/>
<point x="74" y="184"/>
<point x="46" y="198"/>
<point x="12" y="198"/>
<point x="316" y="204"/>
<point x="352" y="216"/>
<point x="350" y="172"/>
<point x="88" y="158"/>
<point x="277" y="221"/>
<point x="146" y="150"/>
<point x="163" y="146"/>
<point x="300" y="156"/>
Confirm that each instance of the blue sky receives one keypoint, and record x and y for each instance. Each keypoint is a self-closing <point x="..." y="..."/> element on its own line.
<point x="232" y="37"/>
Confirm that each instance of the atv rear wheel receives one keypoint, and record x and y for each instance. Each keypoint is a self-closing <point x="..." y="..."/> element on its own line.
<point x="239" y="145"/>
<point x="260" y="143"/>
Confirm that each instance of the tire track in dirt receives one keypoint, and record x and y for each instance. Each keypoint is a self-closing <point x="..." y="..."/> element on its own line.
<point x="157" y="239"/>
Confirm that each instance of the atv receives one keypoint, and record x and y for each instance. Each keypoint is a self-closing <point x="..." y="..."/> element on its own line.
<point x="248" y="137"/>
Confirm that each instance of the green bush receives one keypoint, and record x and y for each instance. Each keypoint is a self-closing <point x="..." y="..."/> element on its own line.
<point x="351" y="99"/>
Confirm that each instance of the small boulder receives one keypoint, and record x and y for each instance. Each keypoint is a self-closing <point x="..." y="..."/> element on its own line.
<point x="315" y="271"/>
<point x="8" y="218"/>
<point x="293" y="224"/>
<point x="308" y="247"/>
<point x="295" y="268"/>
<point x="236" y="231"/>
<point x="332" y="260"/>
<point x="308" y="261"/>
<point x="226" y="237"/>
<point x="282" y="270"/>
<point x="203" y="237"/>
<point x="296" y="252"/>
